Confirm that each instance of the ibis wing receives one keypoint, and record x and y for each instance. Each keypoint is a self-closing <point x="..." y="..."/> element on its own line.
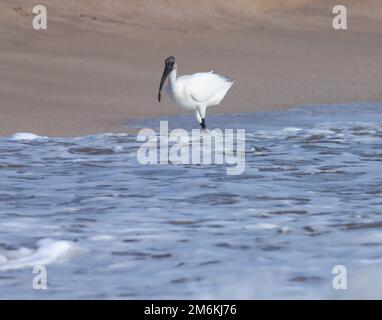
<point x="203" y="86"/>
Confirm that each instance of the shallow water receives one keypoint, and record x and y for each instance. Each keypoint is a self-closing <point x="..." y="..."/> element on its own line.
<point x="107" y="227"/>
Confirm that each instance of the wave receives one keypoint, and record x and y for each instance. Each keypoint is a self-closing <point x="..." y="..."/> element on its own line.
<point x="47" y="251"/>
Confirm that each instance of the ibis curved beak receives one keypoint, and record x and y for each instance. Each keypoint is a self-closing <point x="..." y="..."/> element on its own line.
<point x="167" y="70"/>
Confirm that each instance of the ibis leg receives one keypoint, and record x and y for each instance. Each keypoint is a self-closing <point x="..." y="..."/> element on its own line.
<point x="203" y="124"/>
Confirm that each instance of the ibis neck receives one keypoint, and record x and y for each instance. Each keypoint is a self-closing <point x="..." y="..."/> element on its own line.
<point x="172" y="77"/>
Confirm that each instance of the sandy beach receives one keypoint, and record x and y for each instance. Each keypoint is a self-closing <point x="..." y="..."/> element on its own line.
<point x="99" y="63"/>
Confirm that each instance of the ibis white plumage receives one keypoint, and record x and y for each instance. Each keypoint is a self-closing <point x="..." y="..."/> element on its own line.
<point x="195" y="92"/>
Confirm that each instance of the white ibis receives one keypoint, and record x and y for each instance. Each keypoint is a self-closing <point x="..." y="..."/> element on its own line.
<point x="195" y="92"/>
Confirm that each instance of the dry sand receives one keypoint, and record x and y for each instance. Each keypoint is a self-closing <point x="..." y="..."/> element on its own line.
<point x="99" y="63"/>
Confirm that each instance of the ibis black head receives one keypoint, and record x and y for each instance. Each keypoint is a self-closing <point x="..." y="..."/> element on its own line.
<point x="170" y="61"/>
<point x="169" y="64"/>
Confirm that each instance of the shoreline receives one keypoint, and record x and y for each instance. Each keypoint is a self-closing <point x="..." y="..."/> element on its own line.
<point x="138" y="124"/>
<point x="85" y="76"/>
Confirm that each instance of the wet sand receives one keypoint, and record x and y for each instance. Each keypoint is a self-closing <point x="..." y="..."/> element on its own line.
<point x="99" y="63"/>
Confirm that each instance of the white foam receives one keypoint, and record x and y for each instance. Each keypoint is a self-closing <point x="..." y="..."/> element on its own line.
<point x="102" y="237"/>
<point x="320" y="131"/>
<point x="118" y="149"/>
<point x="48" y="251"/>
<point x="291" y="130"/>
<point x="261" y="226"/>
<point x="25" y="136"/>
